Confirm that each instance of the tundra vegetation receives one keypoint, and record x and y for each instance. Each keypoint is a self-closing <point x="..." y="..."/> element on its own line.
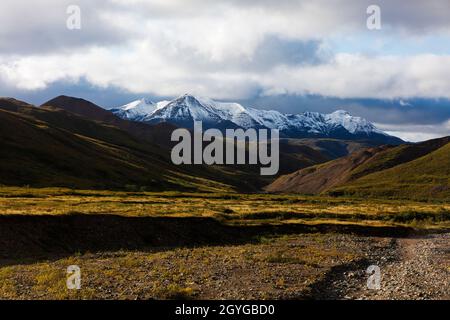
<point x="266" y="265"/>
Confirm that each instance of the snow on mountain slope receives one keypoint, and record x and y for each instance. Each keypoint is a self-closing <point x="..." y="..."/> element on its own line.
<point x="270" y="118"/>
<point x="139" y="110"/>
<point x="186" y="109"/>
<point x="350" y="123"/>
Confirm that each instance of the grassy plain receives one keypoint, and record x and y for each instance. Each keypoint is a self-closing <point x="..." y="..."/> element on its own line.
<point x="263" y="266"/>
<point x="229" y="208"/>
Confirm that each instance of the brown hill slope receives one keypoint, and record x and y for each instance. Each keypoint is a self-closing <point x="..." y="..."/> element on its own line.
<point x="156" y="134"/>
<point x="336" y="173"/>
<point x="45" y="147"/>
<point x="316" y="179"/>
<point x="426" y="177"/>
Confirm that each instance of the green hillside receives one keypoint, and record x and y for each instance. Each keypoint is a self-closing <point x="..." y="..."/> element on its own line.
<point x="412" y="170"/>
<point x="425" y="177"/>
<point x="391" y="157"/>
<point x="45" y="147"/>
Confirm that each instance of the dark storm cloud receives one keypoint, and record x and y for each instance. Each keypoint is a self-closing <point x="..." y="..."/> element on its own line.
<point x="272" y="51"/>
<point x="275" y="50"/>
<point x="392" y="111"/>
<point x="105" y="97"/>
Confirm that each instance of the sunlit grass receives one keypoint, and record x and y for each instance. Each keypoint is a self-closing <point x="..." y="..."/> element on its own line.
<point x="227" y="207"/>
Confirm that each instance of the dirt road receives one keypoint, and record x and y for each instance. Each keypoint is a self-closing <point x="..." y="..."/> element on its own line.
<point x="410" y="268"/>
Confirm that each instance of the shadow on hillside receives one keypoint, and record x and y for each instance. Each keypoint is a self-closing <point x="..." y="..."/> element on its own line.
<point x="27" y="239"/>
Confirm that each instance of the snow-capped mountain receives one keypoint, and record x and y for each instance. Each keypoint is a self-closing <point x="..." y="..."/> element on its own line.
<point x="184" y="110"/>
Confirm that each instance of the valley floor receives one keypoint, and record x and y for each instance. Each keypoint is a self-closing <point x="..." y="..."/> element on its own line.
<point x="219" y="246"/>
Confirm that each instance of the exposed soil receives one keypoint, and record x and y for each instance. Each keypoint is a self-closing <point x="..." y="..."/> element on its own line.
<point x="198" y="258"/>
<point x="35" y="238"/>
<point x="314" y="180"/>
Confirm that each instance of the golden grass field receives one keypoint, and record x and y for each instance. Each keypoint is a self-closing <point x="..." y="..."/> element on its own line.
<point x="226" y="207"/>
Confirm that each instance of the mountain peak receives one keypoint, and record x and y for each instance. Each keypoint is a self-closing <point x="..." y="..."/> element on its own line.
<point x="80" y="107"/>
<point x="341" y="113"/>
<point x="138" y="103"/>
<point x="192" y="100"/>
<point x="146" y="101"/>
<point x="69" y="99"/>
<point x="188" y="97"/>
<point x="72" y="104"/>
<point x="139" y="110"/>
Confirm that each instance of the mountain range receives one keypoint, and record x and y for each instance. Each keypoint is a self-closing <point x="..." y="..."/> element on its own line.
<point x="186" y="109"/>
<point x="294" y="153"/>
<point x="71" y="142"/>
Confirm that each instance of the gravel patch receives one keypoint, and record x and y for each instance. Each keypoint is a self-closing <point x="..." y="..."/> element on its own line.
<point x="410" y="269"/>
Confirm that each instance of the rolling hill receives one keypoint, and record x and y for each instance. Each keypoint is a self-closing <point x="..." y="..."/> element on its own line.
<point x="411" y="170"/>
<point x="156" y="134"/>
<point x="423" y="178"/>
<point x="50" y="147"/>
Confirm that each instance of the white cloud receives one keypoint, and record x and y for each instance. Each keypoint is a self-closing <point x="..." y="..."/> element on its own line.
<point x="169" y="47"/>
<point x="142" y="68"/>
<point x="358" y="76"/>
<point x="416" y="133"/>
<point x="216" y="28"/>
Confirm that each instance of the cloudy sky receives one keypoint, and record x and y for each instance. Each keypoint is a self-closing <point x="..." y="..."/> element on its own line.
<point x="288" y="55"/>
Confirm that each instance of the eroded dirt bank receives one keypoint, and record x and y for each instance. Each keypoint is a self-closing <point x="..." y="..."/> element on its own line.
<point x="41" y="237"/>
